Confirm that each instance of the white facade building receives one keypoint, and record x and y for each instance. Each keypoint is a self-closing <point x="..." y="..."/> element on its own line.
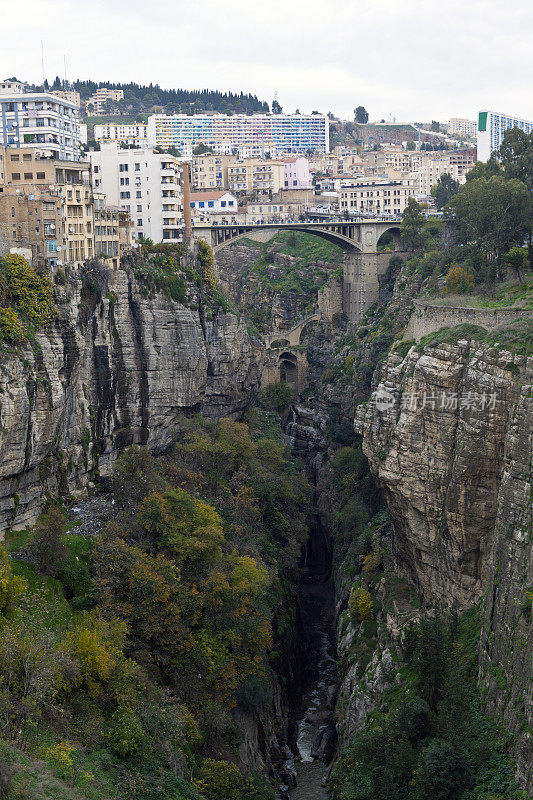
<point x="491" y="130"/>
<point x="379" y="197"/>
<point x="146" y="184"/>
<point x="134" y="134"/>
<point x="40" y="120"/>
<point x="287" y="133"/>
<point x="213" y="202"/>
<point x="457" y="126"/>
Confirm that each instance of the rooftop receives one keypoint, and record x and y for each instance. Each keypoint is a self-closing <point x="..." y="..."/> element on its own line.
<point x="215" y="195"/>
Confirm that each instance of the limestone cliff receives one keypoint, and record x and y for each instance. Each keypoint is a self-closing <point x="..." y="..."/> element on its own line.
<point x="449" y="436"/>
<point x="119" y="366"/>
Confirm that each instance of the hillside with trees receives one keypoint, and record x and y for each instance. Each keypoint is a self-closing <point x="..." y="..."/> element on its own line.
<point x="139" y="98"/>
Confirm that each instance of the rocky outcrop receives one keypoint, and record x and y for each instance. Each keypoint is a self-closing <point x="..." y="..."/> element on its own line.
<point x="118" y="367"/>
<point x="506" y="648"/>
<point x="449" y="436"/>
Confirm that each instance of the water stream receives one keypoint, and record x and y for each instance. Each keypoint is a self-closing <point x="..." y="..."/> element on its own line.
<point x="315" y="738"/>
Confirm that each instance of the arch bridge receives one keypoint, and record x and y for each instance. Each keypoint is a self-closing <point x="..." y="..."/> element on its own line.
<point x="364" y="262"/>
<point x="359" y="235"/>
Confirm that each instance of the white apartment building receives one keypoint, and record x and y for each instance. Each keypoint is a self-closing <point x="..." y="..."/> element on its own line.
<point x="457" y="126"/>
<point x="98" y="100"/>
<point x="491" y="129"/>
<point x="40" y="120"/>
<point x="288" y="133"/>
<point x="381" y="197"/>
<point x="135" y="134"/>
<point x="146" y="184"/>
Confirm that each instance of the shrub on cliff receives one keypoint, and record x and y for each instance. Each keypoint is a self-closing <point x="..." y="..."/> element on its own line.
<point x="277" y="396"/>
<point x="25" y="297"/>
<point x="360" y="604"/>
<point x="459" y="281"/>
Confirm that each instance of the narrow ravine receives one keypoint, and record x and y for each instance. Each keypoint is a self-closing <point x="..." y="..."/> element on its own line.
<point x="315" y="729"/>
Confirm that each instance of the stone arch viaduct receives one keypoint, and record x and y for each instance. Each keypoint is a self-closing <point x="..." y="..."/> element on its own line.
<point x="364" y="262"/>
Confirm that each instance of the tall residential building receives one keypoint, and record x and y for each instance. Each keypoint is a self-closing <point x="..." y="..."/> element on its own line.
<point x="263" y="176"/>
<point x="38" y="182"/>
<point x="210" y="171"/>
<point x="491" y="129"/>
<point x="462" y="127"/>
<point x="289" y="133"/>
<point x="113" y="231"/>
<point x="32" y="224"/>
<point x="40" y="120"/>
<point x="98" y="100"/>
<point x="145" y="183"/>
<point x="135" y="134"/>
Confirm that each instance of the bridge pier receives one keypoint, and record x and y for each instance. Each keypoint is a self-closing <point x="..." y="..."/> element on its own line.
<point x="360" y="284"/>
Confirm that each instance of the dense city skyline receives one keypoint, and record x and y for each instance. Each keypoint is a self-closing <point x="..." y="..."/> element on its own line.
<point x="411" y="62"/>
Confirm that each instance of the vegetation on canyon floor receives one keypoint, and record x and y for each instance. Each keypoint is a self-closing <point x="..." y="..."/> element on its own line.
<point x="123" y="656"/>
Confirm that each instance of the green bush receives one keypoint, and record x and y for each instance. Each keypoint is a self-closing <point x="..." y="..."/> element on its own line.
<point x="27" y="295"/>
<point x="124" y="732"/>
<point x="11" y="326"/>
<point x="277" y="396"/>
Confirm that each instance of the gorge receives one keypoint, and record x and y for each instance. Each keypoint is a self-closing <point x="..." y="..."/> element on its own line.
<point x="384" y="564"/>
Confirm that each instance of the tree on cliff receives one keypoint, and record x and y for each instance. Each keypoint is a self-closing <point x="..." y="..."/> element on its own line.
<point x="516" y="156"/>
<point x="443" y="191"/>
<point x="412" y="227"/>
<point x="361" y="115"/>
<point x="495" y="214"/>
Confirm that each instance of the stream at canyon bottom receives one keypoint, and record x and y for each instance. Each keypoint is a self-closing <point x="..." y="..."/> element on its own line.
<point x="315" y="737"/>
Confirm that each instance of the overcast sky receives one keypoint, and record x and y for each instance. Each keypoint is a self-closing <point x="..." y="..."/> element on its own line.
<point x="413" y="60"/>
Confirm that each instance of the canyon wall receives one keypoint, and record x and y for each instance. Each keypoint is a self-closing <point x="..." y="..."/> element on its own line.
<point x="448" y="433"/>
<point x="119" y="366"/>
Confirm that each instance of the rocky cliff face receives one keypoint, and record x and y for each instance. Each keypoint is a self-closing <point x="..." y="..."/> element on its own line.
<point x="117" y="368"/>
<point x="449" y="436"/>
<point x="263" y="291"/>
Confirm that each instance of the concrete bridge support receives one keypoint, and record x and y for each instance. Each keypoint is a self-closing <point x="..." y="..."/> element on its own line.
<point x="360" y="284"/>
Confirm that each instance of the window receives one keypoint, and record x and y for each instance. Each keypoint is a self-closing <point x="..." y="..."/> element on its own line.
<point x="124" y="195"/>
<point x="123" y="167"/>
<point x="40" y="176"/>
<point x="16" y="176"/>
<point x="26" y="157"/>
<point x="28" y="176"/>
<point x="137" y="167"/>
<point x="223" y="203"/>
<point x="12" y="211"/>
<point x="15" y="158"/>
<point x="139" y="222"/>
<point x="139" y="209"/>
<point x="139" y="195"/>
<point x="210" y="204"/>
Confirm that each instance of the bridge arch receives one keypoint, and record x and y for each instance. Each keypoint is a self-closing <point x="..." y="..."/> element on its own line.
<point x="343" y="234"/>
<point x="388" y="235"/>
<point x="288" y="368"/>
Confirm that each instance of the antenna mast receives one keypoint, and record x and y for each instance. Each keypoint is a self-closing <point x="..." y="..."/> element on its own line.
<point x="42" y="59"/>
